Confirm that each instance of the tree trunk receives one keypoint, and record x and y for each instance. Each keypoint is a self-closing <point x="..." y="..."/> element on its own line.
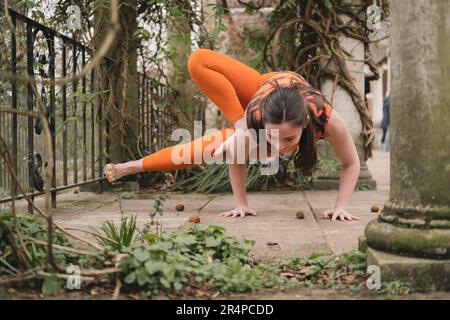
<point x="179" y="46"/>
<point x="118" y="76"/>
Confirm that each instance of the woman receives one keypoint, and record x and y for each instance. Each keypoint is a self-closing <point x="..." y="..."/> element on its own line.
<point x="276" y="102"/>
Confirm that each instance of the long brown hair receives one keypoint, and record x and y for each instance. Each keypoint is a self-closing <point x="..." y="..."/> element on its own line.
<point x="278" y="101"/>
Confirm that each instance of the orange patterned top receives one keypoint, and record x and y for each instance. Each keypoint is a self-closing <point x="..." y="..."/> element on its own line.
<point x="316" y="102"/>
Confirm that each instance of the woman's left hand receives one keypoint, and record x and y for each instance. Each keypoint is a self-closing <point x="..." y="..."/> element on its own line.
<point x="340" y="213"/>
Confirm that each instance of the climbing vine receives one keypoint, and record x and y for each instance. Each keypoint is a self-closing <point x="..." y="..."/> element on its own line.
<point x="305" y="37"/>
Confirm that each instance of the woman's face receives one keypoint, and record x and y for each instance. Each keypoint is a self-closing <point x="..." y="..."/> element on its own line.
<point x="289" y="136"/>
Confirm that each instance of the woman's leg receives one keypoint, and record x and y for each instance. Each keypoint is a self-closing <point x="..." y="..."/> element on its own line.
<point x="229" y="83"/>
<point x="175" y="157"/>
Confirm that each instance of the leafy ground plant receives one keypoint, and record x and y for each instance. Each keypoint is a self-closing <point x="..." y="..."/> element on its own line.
<point x="33" y="232"/>
<point x="328" y="271"/>
<point x="34" y="235"/>
<point x="203" y="256"/>
<point x="395" y="288"/>
<point x="344" y="271"/>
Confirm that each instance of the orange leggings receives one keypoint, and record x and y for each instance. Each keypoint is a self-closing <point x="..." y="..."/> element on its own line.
<point x="230" y="85"/>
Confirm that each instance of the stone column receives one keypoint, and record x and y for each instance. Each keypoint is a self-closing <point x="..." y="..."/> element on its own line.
<point x="410" y="240"/>
<point x="329" y="165"/>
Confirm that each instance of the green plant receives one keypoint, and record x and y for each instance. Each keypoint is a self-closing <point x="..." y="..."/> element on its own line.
<point x="213" y="240"/>
<point x="211" y="178"/>
<point x="328" y="166"/>
<point x="202" y="256"/>
<point x="395" y="288"/>
<point x="299" y="181"/>
<point x="51" y="284"/>
<point x="158" y="206"/>
<point x="127" y="195"/>
<point x="34" y="233"/>
<point x="116" y="238"/>
<point x="325" y="270"/>
<point x="363" y="186"/>
<point x="214" y="178"/>
<point x="354" y="260"/>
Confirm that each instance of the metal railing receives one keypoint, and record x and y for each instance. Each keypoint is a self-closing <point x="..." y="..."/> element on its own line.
<point x="75" y="115"/>
<point x="155" y="118"/>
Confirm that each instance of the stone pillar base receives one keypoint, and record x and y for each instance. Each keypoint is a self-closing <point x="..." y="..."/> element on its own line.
<point x="362" y="244"/>
<point x="420" y="273"/>
<point x="365" y="180"/>
<point x="328" y="170"/>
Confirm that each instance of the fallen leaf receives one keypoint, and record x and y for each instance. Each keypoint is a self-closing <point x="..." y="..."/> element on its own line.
<point x="135" y="296"/>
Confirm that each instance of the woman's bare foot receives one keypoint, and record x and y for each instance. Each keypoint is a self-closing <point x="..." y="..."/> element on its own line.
<point x="110" y="172"/>
<point x="116" y="171"/>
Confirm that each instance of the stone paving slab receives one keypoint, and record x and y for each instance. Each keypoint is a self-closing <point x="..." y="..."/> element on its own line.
<point x="141" y="207"/>
<point x="343" y="236"/>
<point x="275" y="222"/>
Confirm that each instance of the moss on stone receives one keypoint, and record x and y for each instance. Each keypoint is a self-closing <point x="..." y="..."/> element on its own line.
<point x="434" y="243"/>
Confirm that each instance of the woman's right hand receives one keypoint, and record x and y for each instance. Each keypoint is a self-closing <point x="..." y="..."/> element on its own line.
<point x="239" y="211"/>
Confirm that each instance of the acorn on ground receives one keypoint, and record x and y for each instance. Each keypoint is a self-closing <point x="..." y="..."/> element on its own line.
<point x="375" y="208"/>
<point x="179" y="207"/>
<point x="300" y="215"/>
<point x="194" y="218"/>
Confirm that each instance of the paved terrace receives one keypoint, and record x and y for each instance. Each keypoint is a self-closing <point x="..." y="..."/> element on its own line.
<point x="276" y="221"/>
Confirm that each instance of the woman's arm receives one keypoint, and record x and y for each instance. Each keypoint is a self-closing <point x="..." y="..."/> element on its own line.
<point x="341" y="141"/>
<point x="238" y="169"/>
<point x="347" y="183"/>
<point x="238" y="179"/>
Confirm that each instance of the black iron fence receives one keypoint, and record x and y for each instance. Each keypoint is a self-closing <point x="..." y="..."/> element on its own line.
<point x="156" y="121"/>
<point x="76" y="118"/>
